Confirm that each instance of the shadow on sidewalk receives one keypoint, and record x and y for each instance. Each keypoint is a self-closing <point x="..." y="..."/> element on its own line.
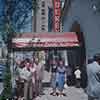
<point x="46" y="84"/>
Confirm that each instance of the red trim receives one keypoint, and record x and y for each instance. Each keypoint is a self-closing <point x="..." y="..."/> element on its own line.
<point x="68" y="39"/>
<point x="46" y="44"/>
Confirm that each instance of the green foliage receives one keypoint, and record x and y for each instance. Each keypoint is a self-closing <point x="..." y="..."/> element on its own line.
<point x="8" y="29"/>
<point x="8" y="33"/>
<point x="2" y="98"/>
<point x="7" y="83"/>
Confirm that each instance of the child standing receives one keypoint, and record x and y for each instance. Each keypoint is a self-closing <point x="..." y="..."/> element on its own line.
<point x="61" y="73"/>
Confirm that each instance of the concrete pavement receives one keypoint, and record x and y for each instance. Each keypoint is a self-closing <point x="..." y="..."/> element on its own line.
<point x="72" y="93"/>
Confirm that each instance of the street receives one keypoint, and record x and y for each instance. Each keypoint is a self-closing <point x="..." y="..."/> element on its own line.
<point x="72" y="93"/>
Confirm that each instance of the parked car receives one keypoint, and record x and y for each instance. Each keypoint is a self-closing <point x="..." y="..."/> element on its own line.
<point x="2" y="69"/>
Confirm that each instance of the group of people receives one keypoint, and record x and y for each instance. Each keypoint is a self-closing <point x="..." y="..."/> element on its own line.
<point x="60" y="76"/>
<point x="28" y="77"/>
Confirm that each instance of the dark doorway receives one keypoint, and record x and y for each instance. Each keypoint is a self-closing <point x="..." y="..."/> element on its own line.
<point x="80" y="53"/>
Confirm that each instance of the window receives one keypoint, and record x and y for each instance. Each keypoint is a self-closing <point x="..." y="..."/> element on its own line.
<point x="43" y="28"/>
<point x="43" y="18"/>
<point x="43" y="11"/>
<point x="43" y="25"/>
<point x="43" y="3"/>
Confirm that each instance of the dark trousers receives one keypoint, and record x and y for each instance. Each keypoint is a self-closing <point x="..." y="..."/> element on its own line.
<point x="78" y="83"/>
<point x="28" y="90"/>
<point x="38" y="87"/>
<point x="20" y="89"/>
<point x="93" y="98"/>
<point x="90" y="98"/>
<point x="69" y="80"/>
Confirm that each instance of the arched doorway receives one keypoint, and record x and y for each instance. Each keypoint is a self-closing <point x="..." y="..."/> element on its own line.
<point x="80" y="53"/>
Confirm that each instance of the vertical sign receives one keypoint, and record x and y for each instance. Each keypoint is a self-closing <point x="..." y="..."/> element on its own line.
<point x="57" y="14"/>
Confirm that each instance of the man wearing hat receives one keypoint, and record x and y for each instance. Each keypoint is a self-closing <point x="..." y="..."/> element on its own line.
<point x="93" y="72"/>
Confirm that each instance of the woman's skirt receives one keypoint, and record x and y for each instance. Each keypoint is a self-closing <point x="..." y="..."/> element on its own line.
<point x="60" y="81"/>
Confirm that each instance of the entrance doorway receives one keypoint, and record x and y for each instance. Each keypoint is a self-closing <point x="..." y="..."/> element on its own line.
<point x="48" y="47"/>
<point x="80" y="53"/>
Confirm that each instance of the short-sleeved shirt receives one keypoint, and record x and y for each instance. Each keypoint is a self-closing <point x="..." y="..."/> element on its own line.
<point x="53" y="68"/>
<point x="77" y="74"/>
<point x="26" y="74"/>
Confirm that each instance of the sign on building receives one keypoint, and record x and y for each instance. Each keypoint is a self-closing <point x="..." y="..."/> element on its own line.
<point x="57" y="14"/>
<point x="46" y="40"/>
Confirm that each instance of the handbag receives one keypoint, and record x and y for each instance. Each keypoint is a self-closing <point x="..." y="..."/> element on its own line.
<point x="65" y="86"/>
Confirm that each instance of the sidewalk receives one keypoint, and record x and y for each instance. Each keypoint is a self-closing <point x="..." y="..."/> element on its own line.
<point x="72" y="93"/>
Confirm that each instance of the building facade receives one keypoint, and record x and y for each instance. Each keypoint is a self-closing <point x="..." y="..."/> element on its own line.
<point x="83" y="12"/>
<point x="82" y="17"/>
<point x="42" y="16"/>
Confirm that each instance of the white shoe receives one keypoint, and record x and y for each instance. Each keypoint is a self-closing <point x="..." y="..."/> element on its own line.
<point x="59" y="96"/>
<point x="62" y="96"/>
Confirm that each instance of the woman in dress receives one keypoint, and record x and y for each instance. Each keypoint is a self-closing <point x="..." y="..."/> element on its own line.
<point x="61" y="73"/>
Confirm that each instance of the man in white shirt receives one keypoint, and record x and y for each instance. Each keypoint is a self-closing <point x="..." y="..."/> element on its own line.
<point x="77" y="76"/>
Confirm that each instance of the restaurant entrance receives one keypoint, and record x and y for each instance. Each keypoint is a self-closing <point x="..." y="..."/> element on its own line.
<point x="47" y="47"/>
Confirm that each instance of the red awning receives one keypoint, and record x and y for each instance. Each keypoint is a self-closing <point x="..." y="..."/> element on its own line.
<point x="68" y="39"/>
